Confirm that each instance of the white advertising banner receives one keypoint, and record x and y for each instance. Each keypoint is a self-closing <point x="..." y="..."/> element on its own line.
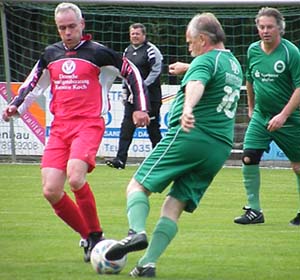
<point x="29" y="130"/>
<point x="32" y="130"/>
<point x="141" y="144"/>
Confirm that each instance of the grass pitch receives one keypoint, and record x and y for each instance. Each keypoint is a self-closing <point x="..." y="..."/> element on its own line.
<point x="35" y="244"/>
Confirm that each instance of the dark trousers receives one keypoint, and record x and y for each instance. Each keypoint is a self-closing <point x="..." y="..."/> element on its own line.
<point x="128" y="128"/>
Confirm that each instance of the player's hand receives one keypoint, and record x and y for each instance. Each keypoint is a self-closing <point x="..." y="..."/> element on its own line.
<point x="187" y="119"/>
<point x="8" y="112"/>
<point x="124" y="96"/>
<point x="276" y="122"/>
<point x="178" y="68"/>
<point x="140" y="118"/>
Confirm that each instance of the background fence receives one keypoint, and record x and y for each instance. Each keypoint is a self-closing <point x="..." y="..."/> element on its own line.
<point x="29" y="27"/>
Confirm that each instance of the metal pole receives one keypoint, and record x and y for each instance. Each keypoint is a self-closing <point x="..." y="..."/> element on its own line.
<point x="7" y="79"/>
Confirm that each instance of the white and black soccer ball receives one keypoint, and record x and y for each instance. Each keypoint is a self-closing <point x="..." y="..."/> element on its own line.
<point x="100" y="264"/>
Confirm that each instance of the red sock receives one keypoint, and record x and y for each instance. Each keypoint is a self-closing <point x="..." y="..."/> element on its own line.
<point x="69" y="212"/>
<point x="86" y="202"/>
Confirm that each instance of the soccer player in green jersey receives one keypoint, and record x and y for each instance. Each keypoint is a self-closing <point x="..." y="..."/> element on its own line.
<point x="198" y="142"/>
<point x="273" y="89"/>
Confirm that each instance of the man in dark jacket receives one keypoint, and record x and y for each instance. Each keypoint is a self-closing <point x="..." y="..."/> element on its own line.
<point x="148" y="60"/>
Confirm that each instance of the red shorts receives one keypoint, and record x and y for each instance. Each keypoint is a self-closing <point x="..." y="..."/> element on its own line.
<point x="73" y="139"/>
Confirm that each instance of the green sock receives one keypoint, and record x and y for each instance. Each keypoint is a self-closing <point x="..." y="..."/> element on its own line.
<point x="137" y="210"/>
<point x="164" y="231"/>
<point x="298" y="189"/>
<point x="251" y="175"/>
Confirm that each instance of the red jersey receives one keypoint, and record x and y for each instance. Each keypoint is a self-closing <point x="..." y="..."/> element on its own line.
<point x="80" y="80"/>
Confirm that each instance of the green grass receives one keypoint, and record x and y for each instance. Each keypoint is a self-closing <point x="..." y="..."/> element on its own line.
<point x="36" y="245"/>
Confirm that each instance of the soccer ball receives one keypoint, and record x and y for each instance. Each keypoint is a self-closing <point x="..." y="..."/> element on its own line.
<point x="100" y="264"/>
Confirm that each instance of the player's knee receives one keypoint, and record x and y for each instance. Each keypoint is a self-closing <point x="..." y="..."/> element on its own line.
<point x="47" y="194"/>
<point x="135" y="186"/>
<point x="52" y="196"/>
<point x="252" y="157"/>
<point x="296" y="167"/>
<point x="76" y="182"/>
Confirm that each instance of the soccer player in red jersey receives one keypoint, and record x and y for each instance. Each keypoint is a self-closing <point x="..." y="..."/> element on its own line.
<point x="80" y="73"/>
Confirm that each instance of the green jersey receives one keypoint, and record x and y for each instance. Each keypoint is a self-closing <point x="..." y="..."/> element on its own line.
<point x="274" y="76"/>
<point x="221" y="74"/>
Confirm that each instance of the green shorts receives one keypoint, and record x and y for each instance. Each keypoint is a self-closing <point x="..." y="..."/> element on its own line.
<point x="188" y="160"/>
<point x="287" y="137"/>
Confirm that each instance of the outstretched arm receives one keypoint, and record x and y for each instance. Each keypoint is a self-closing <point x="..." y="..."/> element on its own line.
<point x="178" y="68"/>
<point x="33" y="86"/>
<point x="140" y="94"/>
<point x="193" y="93"/>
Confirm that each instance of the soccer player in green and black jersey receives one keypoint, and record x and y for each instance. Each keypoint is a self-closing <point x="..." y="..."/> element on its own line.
<point x="273" y="89"/>
<point x="198" y="142"/>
